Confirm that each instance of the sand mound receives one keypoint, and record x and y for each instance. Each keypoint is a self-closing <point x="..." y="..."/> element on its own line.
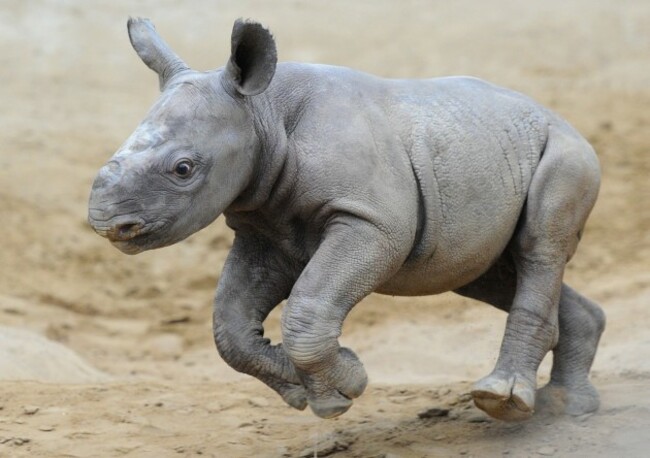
<point x="26" y="355"/>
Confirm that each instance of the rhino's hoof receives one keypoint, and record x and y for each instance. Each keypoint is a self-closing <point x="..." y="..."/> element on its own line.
<point x="330" y="407"/>
<point x="505" y="398"/>
<point x="577" y="400"/>
<point x="296" y="397"/>
<point x="353" y="379"/>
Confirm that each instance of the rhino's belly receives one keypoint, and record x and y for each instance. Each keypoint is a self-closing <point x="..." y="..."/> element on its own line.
<point x="434" y="277"/>
<point x="455" y="252"/>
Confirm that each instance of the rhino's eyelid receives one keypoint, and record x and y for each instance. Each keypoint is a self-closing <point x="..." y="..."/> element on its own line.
<point x="183" y="155"/>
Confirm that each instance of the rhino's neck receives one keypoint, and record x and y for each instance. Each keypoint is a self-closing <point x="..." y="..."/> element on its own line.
<point x="276" y="114"/>
<point x="270" y="153"/>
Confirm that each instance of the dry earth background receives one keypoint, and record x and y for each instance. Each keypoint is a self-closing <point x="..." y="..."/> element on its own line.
<point x="71" y="90"/>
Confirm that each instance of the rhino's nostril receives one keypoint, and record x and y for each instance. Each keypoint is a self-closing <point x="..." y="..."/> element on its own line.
<point x="124" y="229"/>
<point x="123" y="232"/>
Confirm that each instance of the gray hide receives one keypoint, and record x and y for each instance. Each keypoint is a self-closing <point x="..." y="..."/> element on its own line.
<point x="338" y="184"/>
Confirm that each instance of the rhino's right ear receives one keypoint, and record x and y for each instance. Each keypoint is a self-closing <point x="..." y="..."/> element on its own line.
<point x="154" y="51"/>
<point x="253" y="57"/>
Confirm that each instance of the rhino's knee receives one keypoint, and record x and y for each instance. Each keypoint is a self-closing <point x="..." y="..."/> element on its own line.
<point x="309" y="339"/>
<point x="309" y="349"/>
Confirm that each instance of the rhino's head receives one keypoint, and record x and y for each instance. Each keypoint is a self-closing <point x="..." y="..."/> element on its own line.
<point x="195" y="151"/>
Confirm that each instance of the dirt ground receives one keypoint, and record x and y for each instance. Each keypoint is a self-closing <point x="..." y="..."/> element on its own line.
<point x="106" y="355"/>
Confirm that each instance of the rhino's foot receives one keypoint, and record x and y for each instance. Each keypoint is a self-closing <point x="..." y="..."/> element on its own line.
<point x="330" y="392"/>
<point x="508" y="397"/>
<point x="330" y="406"/>
<point x="295" y="396"/>
<point x="575" y="400"/>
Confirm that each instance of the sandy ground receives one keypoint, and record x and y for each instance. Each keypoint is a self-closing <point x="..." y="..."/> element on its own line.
<point x="107" y="355"/>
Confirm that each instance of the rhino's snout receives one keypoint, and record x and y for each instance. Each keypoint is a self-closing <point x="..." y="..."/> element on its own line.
<point x="114" y="228"/>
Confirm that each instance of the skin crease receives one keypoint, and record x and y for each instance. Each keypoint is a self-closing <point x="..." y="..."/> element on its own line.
<point x="338" y="184"/>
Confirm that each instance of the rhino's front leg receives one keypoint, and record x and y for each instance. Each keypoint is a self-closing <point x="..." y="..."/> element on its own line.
<point x="255" y="279"/>
<point x="353" y="259"/>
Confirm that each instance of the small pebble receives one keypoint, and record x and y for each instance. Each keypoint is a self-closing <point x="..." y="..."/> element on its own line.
<point x="30" y="410"/>
<point x="46" y="428"/>
<point x="547" y="450"/>
<point x="440" y="437"/>
<point x="20" y="440"/>
<point x="434" y="412"/>
<point x="478" y="418"/>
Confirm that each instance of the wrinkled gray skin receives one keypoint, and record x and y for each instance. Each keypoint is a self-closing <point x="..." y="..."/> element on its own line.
<point x="338" y="184"/>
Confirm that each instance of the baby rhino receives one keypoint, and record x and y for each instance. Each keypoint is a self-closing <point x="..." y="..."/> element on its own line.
<point x="339" y="184"/>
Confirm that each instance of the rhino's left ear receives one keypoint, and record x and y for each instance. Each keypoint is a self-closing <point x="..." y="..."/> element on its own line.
<point x="253" y="57"/>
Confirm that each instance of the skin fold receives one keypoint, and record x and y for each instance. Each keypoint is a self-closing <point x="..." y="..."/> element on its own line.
<point x="338" y="184"/>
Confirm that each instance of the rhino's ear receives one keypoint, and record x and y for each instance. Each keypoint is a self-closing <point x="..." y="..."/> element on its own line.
<point x="153" y="50"/>
<point x="253" y="57"/>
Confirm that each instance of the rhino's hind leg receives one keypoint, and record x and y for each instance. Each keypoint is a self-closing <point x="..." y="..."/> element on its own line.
<point x="569" y="390"/>
<point x="560" y="197"/>
<point x="508" y="392"/>
<point x="581" y="323"/>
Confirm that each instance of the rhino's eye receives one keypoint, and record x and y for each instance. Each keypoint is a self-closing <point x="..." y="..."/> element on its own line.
<point x="183" y="168"/>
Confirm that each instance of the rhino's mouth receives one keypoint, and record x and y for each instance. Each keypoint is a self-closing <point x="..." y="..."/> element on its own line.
<point x="131" y="237"/>
<point x="143" y="241"/>
<point x="143" y="238"/>
<point x="132" y="246"/>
